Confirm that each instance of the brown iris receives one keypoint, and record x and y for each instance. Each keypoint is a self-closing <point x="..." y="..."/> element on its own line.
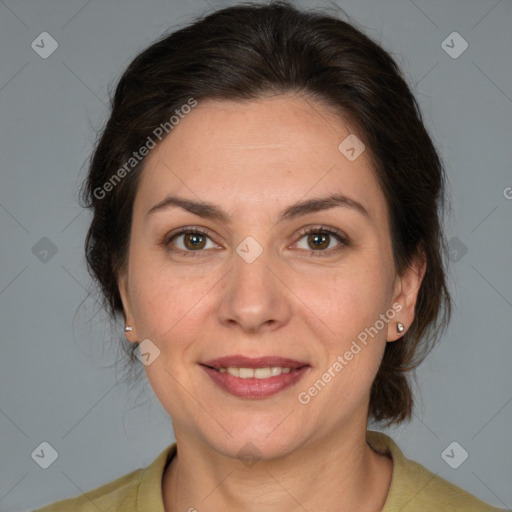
<point x="196" y="243"/>
<point x="315" y="237"/>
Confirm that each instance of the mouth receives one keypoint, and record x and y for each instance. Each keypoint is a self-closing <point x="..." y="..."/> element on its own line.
<point x="254" y="378"/>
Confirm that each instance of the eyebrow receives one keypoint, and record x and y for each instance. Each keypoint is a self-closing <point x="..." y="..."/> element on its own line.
<point x="211" y="211"/>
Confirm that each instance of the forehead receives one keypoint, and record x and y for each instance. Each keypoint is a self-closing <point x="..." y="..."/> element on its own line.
<point x="259" y="156"/>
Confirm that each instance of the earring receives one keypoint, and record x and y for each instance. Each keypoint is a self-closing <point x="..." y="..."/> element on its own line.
<point x="400" y="327"/>
<point x="127" y="328"/>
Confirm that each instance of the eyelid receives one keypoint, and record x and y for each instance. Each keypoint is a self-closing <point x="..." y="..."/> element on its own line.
<point x="342" y="238"/>
<point x="325" y="229"/>
<point x="200" y="230"/>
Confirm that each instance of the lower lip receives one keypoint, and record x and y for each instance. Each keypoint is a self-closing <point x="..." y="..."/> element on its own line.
<point x="255" y="388"/>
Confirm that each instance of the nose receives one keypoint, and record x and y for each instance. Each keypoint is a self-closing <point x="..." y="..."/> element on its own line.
<point x="254" y="296"/>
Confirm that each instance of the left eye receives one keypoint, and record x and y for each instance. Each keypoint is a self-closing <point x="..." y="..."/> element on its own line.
<point x="319" y="240"/>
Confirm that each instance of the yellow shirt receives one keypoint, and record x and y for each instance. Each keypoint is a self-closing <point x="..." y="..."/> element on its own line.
<point x="413" y="488"/>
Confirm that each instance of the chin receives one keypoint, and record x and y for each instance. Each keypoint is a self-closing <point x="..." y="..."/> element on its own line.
<point x="255" y="441"/>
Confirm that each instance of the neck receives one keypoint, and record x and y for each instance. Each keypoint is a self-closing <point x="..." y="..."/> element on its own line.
<point x="338" y="474"/>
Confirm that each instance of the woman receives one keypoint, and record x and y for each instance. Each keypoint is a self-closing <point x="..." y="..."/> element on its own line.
<point x="266" y="209"/>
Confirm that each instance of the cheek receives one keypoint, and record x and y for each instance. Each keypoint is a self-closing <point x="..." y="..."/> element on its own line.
<point x="350" y="299"/>
<point x="165" y="298"/>
<point x="352" y="347"/>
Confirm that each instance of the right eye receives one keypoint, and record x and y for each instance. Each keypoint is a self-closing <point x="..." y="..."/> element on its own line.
<point x="192" y="240"/>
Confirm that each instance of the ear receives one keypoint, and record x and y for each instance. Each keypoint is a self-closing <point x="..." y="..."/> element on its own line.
<point x="129" y="319"/>
<point x="406" y="294"/>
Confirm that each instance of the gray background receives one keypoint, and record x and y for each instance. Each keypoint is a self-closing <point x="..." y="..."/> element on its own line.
<point x="58" y="378"/>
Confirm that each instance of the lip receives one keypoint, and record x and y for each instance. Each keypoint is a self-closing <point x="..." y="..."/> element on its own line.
<point x="254" y="362"/>
<point x="253" y="388"/>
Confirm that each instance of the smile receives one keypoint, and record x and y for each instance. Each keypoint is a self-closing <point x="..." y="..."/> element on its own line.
<point x="256" y="373"/>
<point x="254" y="378"/>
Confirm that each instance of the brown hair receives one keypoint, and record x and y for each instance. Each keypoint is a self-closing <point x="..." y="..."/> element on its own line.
<point x="242" y="53"/>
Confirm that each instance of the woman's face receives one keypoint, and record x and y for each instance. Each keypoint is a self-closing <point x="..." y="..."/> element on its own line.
<point x="253" y="285"/>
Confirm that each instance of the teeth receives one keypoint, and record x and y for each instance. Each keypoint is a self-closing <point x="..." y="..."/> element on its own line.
<point x="262" y="373"/>
<point x="245" y="373"/>
<point x="255" y="373"/>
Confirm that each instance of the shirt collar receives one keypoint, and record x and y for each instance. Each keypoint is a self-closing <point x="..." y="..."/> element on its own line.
<point x="150" y="495"/>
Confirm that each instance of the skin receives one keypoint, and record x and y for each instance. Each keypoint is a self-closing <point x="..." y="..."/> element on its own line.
<point x="253" y="159"/>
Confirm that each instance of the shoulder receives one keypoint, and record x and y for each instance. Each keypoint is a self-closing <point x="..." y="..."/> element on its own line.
<point x="106" y="497"/>
<point x="122" y="495"/>
<point x="416" y="489"/>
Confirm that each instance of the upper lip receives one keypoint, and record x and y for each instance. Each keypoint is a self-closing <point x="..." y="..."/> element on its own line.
<point x="239" y="361"/>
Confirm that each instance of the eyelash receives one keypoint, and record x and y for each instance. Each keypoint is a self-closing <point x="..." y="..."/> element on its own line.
<point x="317" y="230"/>
<point x="323" y="230"/>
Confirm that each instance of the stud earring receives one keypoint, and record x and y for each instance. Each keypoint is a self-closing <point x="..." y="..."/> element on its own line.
<point x="400" y="327"/>
<point x="127" y="328"/>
